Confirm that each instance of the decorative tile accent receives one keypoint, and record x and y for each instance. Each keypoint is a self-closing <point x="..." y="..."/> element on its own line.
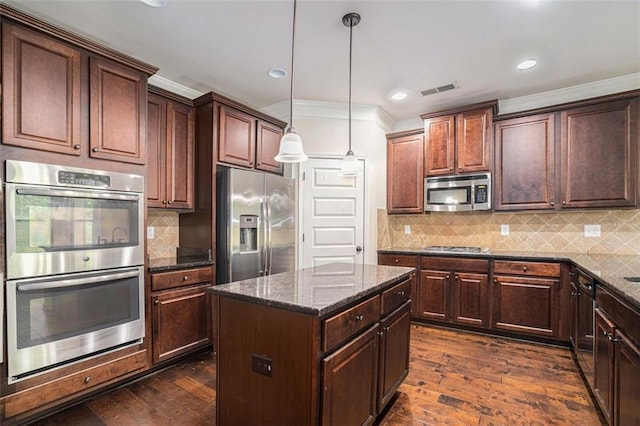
<point x="165" y="241"/>
<point x="534" y="232"/>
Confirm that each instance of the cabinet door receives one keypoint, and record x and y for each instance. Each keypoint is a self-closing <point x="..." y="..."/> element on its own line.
<point x="405" y="174"/>
<point x="350" y="379"/>
<point x="473" y="140"/>
<point x="603" y="363"/>
<point x="434" y="295"/>
<point x="118" y="112"/>
<point x="627" y="382"/>
<point x="237" y="137"/>
<point x="267" y="147"/>
<point x="181" y="322"/>
<point x="41" y="85"/>
<point x="599" y="155"/>
<point x="470" y="299"/>
<point x="394" y="353"/>
<point x="440" y="146"/>
<point x="527" y="305"/>
<point x="156" y="154"/>
<point x="524" y="163"/>
<point x="180" y="147"/>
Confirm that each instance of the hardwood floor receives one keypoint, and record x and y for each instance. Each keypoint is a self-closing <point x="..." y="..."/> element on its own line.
<point x="455" y="378"/>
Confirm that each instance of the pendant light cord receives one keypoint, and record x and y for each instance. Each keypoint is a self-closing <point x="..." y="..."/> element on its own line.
<point x="293" y="41"/>
<point x="350" y="60"/>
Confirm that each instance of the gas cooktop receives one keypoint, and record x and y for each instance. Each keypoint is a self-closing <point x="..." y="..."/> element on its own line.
<point x="456" y="249"/>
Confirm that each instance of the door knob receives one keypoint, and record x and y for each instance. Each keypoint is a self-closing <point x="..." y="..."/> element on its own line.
<point x="358" y="249"/>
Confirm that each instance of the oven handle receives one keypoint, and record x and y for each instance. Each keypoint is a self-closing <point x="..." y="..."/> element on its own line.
<point x="76" y="281"/>
<point x="76" y="194"/>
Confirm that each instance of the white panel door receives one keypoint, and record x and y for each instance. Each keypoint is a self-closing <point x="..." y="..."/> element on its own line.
<point x="332" y="214"/>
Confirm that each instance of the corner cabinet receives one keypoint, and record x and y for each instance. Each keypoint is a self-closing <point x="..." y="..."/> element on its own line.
<point x="170" y="153"/>
<point x="181" y="312"/>
<point x="459" y="140"/>
<point x="405" y="172"/>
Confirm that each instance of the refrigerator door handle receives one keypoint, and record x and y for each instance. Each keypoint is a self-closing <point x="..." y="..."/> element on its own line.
<point x="269" y="247"/>
<point x="263" y="230"/>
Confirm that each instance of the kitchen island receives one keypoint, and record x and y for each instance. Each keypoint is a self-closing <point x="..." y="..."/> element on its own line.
<point x="328" y="344"/>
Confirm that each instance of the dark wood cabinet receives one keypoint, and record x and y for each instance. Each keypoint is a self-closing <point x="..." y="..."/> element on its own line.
<point x="626" y="410"/>
<point x="603" y="363"/>
<point x="181" y="312"/>
<point x="405" y="260"/>
<point x="599" y="155"/>
<point x="524" y="163"/>
<point x="454" y="290"/>
<point x="117" y="111"/>
<point x="41" y="82"/>
<point x="405" y="172"/>
<point x="459" y="140"/>
<point x="530" y="302"/>
<point x="170" y="153"/>
<point x="246" y="141"/>
<point x="394" y="333"/>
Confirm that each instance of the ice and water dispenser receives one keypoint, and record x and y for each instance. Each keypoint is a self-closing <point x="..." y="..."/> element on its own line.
<point x="248" y="233"/>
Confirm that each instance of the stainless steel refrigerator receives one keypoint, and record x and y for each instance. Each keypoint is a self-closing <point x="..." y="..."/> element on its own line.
<point x="255" y="224"/>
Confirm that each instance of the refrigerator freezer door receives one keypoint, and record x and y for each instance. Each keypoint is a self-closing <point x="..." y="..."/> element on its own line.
<point x="246" y="200"/>
<point x="280" y="229"/>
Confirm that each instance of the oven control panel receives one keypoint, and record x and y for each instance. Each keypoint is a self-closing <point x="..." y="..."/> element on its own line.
<point x="84" y="179"/>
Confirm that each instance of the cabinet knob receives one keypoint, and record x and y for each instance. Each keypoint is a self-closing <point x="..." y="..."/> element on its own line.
<point x="251" y="163"/>
<point x="76" y="146"/>
<point x="397" y="260"/>
<point x="564" y="202"/>
<point x="401" y="293"/>
<point x="495" y="280"/>
<point x="186" y="277"/>
<point x="457" y="277"/>
<point x="553" y="203"/>
<point x="169" y="202"/>
<point x="95" y="149"/>
<point x="524" y="269"/>
<point x="155" y="302"/>
<point x="164" y="201"/>
<point x="87" y="379"/>
<point x="359" y="317"/>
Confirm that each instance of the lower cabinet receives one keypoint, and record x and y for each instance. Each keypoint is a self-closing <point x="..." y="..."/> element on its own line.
<point x="404" y="260"/>
<point x="617" y="359"/>
<point x="181" y="312"/>
<point x="394" y="333"/>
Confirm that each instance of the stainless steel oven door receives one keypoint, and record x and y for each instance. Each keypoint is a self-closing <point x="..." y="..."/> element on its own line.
<point x="53" y="321"/>
<point x="57" y="230"/>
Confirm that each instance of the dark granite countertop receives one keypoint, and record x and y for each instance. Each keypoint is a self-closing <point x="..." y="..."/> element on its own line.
<point x="185" y="258"/>
<point x="609" y="270"/>
<point x="320" y="290"/>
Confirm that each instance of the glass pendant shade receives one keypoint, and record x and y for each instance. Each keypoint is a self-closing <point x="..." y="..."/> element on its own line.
<point x="350" y="165"/>
<point x="290" y="148"/>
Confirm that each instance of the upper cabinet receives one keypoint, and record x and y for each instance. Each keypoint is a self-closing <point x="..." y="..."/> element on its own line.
<point x="248" y="141"/>
<point x="170" y="150"/>
<point x="405" y="173"/>
<point x="458" y="140"/>
<point x="66" y="95"/>
<point x="575" y="157"/>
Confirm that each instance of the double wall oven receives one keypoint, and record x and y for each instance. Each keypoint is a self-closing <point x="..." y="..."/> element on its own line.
<point x="74" y="264"/>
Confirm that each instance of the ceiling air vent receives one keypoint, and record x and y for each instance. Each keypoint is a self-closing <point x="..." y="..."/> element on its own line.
<point x="435" y="90"/>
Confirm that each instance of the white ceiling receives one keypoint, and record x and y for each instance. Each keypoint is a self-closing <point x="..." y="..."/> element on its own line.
<point x="228" y="46"/>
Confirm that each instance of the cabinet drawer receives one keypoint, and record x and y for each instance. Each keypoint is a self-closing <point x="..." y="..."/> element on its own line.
<point x="66" y="387"/>
<point x="337" y="329"/>
<point x="397" y="260"/>
<point x="395" y="296"/>
<point x="455" y="264"/>
<point x="164" y="280"/>
<point x="527" y="268"/>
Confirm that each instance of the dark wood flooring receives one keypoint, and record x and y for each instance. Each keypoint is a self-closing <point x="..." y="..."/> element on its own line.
<point x="455" y="378"/>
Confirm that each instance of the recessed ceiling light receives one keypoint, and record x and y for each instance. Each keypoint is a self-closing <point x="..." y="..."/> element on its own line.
<point x="528" y="64"/>
<point x="154" y="3"/>
<point x="277" y="73"/>
<point x="399" y="96"/>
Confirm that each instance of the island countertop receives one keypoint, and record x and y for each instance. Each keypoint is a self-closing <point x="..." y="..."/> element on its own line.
<point x="319" y="290"/>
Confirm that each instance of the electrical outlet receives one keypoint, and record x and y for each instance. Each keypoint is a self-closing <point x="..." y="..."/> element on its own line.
<point x="407" y="229"/>
<point x="151" y="231"/>
<point x="504" y="229"/>
<point x="262" y="364"/>
<point x="592" y="230"/>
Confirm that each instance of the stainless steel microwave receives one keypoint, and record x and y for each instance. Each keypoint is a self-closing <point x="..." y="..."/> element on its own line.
<point x="467" y="192"/>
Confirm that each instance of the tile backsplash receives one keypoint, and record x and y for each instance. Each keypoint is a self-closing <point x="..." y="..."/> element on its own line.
<point x="165" y="239"/>
<point x="538" y="232"/>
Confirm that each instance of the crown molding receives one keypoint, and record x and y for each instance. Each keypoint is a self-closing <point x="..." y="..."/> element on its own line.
<point x="569" y="94"/>
<point x="332" y="110"/>
<point x="172" y="86"/>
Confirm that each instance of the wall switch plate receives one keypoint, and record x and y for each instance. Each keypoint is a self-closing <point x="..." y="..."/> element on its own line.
<point x="407" y="229"/>
<point x="592" y="230"/>
<point x="150" y="232"/>
<point x="262" y="364"/>
<point x="504" y="229"/>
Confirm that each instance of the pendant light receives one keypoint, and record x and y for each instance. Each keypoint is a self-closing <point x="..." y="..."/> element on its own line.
<point x="291" y="144"/>
<point x="350" y="164"/>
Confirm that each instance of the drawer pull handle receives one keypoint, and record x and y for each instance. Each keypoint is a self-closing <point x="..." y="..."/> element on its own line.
<point x="87" y="380"/>
<point x="359" y="317"/>
<point x="401" y="293"/>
